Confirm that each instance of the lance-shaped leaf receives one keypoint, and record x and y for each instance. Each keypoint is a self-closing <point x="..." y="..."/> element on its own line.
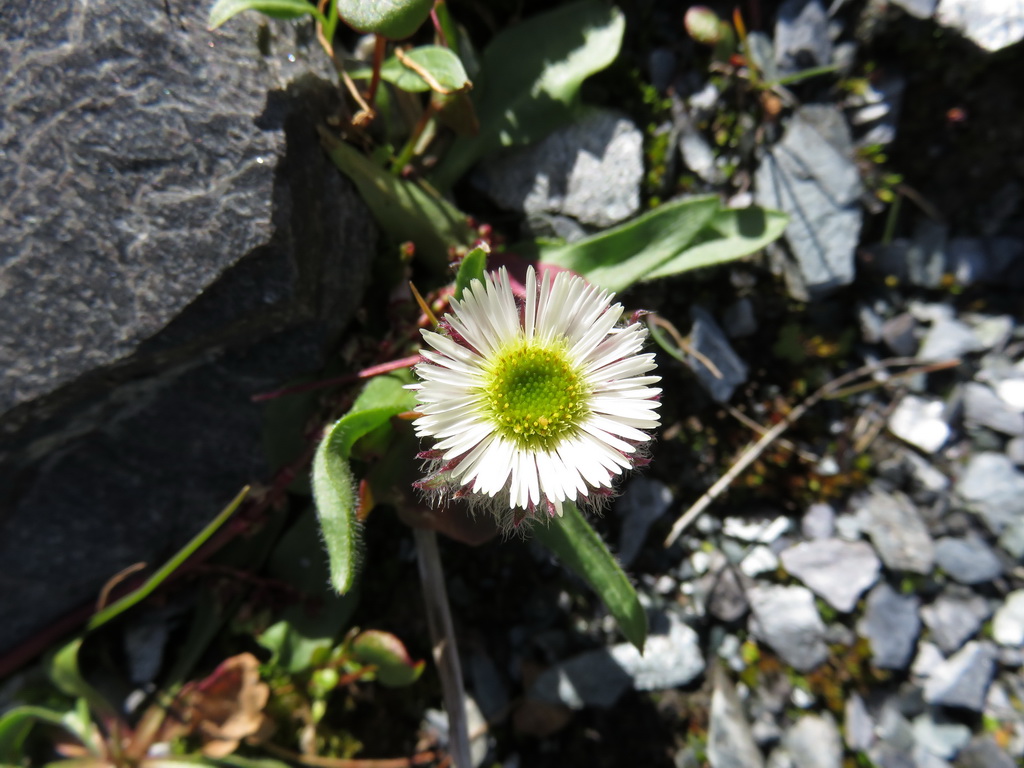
<point x="276" y="9"/>
<point x="335" y="490"/>
<point x="404" y="210"/>
<point x="581" y="550"/>
<point x="530" y="79"/>
<point x="394" y="19"/>
<point x="472" y="268"/>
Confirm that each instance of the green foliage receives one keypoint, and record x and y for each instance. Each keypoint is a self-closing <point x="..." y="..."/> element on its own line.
<point x="404" y="210"/>
<point x="223" y="10"/>
<point x="676" y="237"/>
<point x="443" y="69"/>
<point x="577" y="545"/>
<point x="394" y="667"/>
<point x="334" y="487"/>
<point x="472" y="268"/>
<point x="530" y="79"/>
<point x="394" y="19"/>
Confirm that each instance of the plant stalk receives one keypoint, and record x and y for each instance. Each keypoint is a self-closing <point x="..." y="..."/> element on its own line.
<point x="446" y="652"/>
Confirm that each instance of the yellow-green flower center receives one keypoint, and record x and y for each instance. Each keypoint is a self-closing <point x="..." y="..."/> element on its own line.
<point x="534" y="395"/>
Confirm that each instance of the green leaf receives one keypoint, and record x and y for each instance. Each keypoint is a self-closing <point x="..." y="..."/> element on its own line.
<point x="276" y="9"/>
<point x="730" y="235"/>
<point x="62" y="669"/>
<point x="530" y="79"/>
<point x="334" y="487"/>
<point x="15" y="725"/>
<point x="443" y="68"/>
<point x="581" y="550"/>
<point x="302" y="638"/>
<point x="388" y="654"/>
<point x="472" y="268"/>
<point x="404" y="210"/>
<point x="619" y="257"/>
<point x="116" y="609"/>
<point x="394" y="19"/>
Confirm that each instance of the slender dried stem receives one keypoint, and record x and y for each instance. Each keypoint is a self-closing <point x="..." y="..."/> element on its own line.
<point x="446" y="652"/>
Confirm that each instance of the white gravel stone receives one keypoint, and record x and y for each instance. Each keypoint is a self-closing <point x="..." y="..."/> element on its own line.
<point x="1008" y="625"/>
<point x="920" y="422"/>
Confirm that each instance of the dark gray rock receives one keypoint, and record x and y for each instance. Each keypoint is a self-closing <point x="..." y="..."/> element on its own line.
<point x="969" y="561"/>
<point x="899" y="334"/>
<point x="891" y="624"/>
<point x="801" y="36"/>
<point x="838" y="571"/>
<point x="590" y="170"/>
<point x="1015" y="451"/>
<point x="983" y="752"/>
<point x="963" y="679"/>
<point x="954" y="617"/>
<point x="787" y="620"/>
<point x="993" y="488"/>
<point x="643" y="502"/>
<point x="897" y="531"/>
<point x="730" y="741"/>
<point x="707" y="339"/>
<point x="739" y="319"/>
<point x="179" y="243"/>
<point x="726" y="590"/>
<point x="984" y="407"/>
<point x="811" y="176"/>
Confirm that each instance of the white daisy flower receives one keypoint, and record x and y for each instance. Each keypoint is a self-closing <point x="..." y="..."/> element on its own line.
<point x="536" y="405"/>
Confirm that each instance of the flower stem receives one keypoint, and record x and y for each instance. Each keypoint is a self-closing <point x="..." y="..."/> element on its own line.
<point x="446" y="652"/>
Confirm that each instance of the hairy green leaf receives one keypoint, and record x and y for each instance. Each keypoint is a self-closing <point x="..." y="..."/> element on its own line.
<point x="394" y="19"/>
<point x="335" y="490"/>
<point x="581" y="550"/>
<point x="404" y="210"/>
<point x="276" y="9"/>
<point x="530" y="79"/>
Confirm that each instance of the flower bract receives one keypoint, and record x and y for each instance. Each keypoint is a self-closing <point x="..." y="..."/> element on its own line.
<point x="532" y="405"/>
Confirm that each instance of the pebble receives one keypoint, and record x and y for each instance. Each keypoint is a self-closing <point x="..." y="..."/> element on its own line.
<point x="983" y="752"/>
<point x="969" y="561"/>
<point x="897" y="531"/>
<point x="1011" y="392"/>
<point x="838" y="571"/>
<point x="1008" y="624"/>
<point x="818" y="522"/>
<point x="900" y="334"/>
<point x="709" y="340"/>
<point x="953" y="618"/>
<point x="801" y="36"/>
<point x="984" y="407"/>
<point x="858" y="725"/>
<point x="942" y="739"/>
<point x="920" y="422"/>
<point x="672" y="657"/>
<point x="814" y="742"/>
<point x="928" y="659"/>
<point x="993" y="488"/>
<point x="642" y="503"/>
<point x="992" y="24"/>
<point x="1015" y="451"/>
<point x="922" y="9"/>
<point x="758" y="560"/>
<point x="756" y="531"/>
<point x="739" y="319"/>
<point x="948" y="339"/>
<point x="788" y="621"/>
<point x="891" y="624"/>
<point x="730" y="741"/>
<point x="963" y="679"/>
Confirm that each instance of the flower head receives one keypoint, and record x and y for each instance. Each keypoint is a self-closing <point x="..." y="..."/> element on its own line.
<point x="532" y="406"/>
